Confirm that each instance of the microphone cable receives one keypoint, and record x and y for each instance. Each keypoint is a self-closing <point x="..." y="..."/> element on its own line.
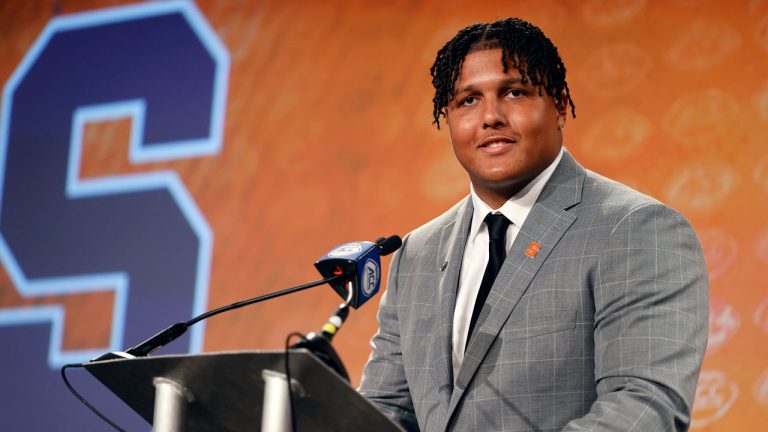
<point x="83" y="399"/>
<point x="287" y="366"/>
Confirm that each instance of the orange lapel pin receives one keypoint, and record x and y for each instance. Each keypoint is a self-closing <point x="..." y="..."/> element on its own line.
<point x="533" y="249"/>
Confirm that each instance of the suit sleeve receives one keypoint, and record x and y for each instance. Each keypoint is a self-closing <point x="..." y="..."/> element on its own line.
<point x="651" y="313"/>
<point x="384" y="382"/>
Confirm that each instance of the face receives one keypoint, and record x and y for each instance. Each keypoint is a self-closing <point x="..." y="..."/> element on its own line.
<point x="502" y="131"/>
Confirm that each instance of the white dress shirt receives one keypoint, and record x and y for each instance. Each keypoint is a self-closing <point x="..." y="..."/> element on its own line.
<point x="475" y="258"/>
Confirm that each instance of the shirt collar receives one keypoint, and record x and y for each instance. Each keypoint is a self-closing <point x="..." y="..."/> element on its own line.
<point x="516" y="208"/>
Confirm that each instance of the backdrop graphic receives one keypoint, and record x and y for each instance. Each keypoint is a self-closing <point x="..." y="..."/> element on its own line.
<point x="163" y="158"/>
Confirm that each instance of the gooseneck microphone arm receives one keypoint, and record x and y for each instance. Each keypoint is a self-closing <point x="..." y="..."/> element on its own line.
<point x="386" y="246"/>
<point x="269" y="296"/>
<point x="176" y="330"/>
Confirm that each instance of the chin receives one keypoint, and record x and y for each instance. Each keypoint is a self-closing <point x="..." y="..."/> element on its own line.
<point x="503" y="177"/>
<point x="500" y="182"/>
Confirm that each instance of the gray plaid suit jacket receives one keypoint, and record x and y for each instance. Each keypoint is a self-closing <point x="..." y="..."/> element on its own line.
<point x="603" y="329"/>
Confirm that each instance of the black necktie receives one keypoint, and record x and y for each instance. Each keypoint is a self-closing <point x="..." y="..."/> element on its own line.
<point x="497" y="252"/>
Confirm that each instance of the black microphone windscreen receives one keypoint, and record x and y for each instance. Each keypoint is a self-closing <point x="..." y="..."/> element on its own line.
<point x="391" y="244"/>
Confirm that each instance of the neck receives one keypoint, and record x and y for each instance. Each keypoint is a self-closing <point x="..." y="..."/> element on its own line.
<point x="496" y="196"/>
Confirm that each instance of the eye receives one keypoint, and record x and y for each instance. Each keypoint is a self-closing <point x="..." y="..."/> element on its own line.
<point x="516" y="93"/>
<point x="468" y="101"/>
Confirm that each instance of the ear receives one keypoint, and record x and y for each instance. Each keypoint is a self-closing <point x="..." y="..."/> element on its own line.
<point x="447" y="117"/>
<point x="561" y="105"/>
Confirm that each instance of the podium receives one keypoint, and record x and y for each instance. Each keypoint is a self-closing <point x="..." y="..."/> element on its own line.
<point x="225" y="392"/>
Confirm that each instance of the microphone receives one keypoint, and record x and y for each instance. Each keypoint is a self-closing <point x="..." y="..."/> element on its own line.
<point x="335" y="322"/>
<point x="369" y="251"/>
<point x="359" y="266"/>
<point x="319" y="344"/>
<point x="356" y="265"/>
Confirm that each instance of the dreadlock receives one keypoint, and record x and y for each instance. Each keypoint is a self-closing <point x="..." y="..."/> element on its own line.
<point x="523" y="45"/>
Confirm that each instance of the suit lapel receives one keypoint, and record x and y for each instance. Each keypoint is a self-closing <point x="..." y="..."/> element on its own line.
<point x="453" y="238"/>
<point x="546" y="224"/>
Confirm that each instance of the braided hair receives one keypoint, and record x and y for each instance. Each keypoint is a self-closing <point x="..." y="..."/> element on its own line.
<point x="523" y="45"/>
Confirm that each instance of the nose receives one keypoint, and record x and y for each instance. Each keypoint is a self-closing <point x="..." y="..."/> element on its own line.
<point x="493" y="116"/>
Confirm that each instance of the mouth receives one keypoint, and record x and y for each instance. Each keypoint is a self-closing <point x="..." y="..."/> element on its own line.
<point x="496" y="144"/>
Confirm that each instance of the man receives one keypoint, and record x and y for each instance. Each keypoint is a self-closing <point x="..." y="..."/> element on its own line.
<point x="549" y="299"/>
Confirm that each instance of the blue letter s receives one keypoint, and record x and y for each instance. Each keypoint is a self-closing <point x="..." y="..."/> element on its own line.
<point x="140" y="235"/>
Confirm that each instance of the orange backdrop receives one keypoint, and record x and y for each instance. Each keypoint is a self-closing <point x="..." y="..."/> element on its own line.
<point x="328" y="139"/>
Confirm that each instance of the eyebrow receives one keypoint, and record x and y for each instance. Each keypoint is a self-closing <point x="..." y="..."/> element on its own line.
<point x="507" y="82"/>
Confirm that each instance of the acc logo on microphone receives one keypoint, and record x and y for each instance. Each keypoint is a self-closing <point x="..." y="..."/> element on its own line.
<point x="370" y="277"/>
<point x="346" y="249"/>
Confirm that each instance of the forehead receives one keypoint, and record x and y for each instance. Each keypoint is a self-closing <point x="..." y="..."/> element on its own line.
<point x="483" y="65"/>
